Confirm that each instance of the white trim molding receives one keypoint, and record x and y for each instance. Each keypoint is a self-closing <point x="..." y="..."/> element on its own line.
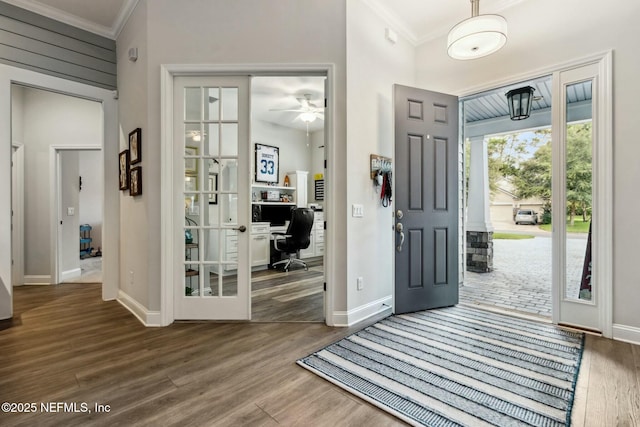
<point x="149" y="318"/>
<point x="382" y="306"/>
<point x="37" y="280"/>
<point x="70" y="274"/>
<point x="167" y="74"/>
<point x="626" y="333"/>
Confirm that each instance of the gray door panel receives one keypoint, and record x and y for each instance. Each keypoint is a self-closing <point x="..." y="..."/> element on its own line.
<point x="426" y="190"/>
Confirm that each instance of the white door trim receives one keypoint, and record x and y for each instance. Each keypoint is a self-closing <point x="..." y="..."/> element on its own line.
<point x="110" y="143"/>
<point x="55" y="203"/>
<point x="603" y="190"/>
<point x="167" y="74"/>
<point x="602" y="247"/>
<point x="17" y="220"/>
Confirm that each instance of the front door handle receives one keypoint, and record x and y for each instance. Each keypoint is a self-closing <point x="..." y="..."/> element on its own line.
<point x="400" y="229"/>
<point x="241" y="229"/>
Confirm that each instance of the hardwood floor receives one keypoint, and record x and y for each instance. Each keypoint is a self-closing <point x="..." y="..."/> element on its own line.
<point x="66" y="345"/>
<point x="293" y="296"/>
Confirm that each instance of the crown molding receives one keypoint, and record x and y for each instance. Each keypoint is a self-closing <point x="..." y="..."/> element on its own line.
<point x="76" y="21"/>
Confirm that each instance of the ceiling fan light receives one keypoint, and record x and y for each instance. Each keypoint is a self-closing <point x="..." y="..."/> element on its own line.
<point x="308" y="117"/>
<point x="477" y="36"/>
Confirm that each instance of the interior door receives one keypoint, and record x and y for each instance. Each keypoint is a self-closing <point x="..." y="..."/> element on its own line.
<point x="211" y="188"/>
<point x="425" y="199"/>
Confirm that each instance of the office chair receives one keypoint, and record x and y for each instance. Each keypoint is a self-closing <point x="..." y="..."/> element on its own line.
<point x="296" y="237"/>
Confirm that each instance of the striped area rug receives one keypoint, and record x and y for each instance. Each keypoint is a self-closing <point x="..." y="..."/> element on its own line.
<point x="458" y="366"/>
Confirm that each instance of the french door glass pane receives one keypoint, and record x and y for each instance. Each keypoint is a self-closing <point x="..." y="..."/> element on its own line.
<point x="210" y="191"/>
<point x="192" y="100"/>
<point x="212" y="139"/>
<point x="230" y="285"/>
<point x="211" y="103"/>
<point x="229" y="135"/>
<point x="578" y="187"/>
<point x="229" y="104"/>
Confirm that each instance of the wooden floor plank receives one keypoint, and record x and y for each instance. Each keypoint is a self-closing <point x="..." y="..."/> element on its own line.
<point x="67" y="345"/>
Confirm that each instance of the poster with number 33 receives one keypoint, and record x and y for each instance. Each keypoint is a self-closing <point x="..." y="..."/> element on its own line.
<point x="267" y="160"/>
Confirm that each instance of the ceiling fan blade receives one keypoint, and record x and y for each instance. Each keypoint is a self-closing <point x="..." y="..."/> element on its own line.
<point x="297" y="110"/>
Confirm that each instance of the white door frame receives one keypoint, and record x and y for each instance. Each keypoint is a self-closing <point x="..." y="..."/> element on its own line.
<point x="167" y="74"/>
<point x="17" y="215"/>
<point x="110" y="142"/>
<point x="603" y="187"/>
<point x="55" y="203"/>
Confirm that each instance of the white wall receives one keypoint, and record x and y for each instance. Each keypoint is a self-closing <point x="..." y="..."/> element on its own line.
<point x="294" y="152"/>
<point x="572" y="29"/>
<point x="373" y="66"/>
<point x="238" y="32"/>
<point x="140" y="216"/>
<point x="91" y="195"/>
<point x="49" y="119"/>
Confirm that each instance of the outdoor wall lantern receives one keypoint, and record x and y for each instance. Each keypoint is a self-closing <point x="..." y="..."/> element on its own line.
<point x="520" y="101"/>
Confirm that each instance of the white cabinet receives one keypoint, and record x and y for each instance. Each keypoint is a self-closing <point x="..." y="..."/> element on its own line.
<point x="260" y="243"/>
<point x="298" y="180"/>
<point x="231" y="249"/>
<point x="310" y="251"/>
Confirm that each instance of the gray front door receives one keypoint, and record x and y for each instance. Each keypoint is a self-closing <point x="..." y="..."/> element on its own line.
<point x="425" y="199"/>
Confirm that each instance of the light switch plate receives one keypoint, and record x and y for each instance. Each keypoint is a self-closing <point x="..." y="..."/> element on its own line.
<point x="357" y="210"/>
<point x="71" y="211"/>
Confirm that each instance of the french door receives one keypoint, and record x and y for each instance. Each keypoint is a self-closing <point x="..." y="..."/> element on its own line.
<point x="211" y="200"/>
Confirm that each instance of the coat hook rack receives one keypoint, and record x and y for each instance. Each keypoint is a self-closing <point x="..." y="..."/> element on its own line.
<point x="380" y="165"/>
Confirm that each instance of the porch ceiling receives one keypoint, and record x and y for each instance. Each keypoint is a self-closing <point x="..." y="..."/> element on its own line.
<point x="487" y="113"/>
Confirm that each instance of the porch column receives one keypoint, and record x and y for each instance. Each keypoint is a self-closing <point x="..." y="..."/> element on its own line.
<point x="479" y="228"/>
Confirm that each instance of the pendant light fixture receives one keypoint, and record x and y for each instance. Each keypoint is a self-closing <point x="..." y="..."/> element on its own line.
<point x="520" y="101"/>
<point x="478" y="36"/>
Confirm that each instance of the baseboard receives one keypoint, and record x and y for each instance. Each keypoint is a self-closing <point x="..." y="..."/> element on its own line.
<point x="625" y="333"/>
<point x="70" y="274"/>
<point x="146" y="317"/>
<point x="37" y="280"/>
<point x="364" y="312"/>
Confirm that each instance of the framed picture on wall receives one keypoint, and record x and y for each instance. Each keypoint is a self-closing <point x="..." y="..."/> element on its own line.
<point x="135" y="185"/>
<point x="267" y="163"/>
<point x="123" y="162"/>
<point x="135" y="146"/>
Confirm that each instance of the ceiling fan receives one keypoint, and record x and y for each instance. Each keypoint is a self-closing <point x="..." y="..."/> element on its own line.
<point x="309" y="111"/>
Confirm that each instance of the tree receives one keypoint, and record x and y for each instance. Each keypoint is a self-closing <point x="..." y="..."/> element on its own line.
<point x="534" y="175"/>
<point x="533" y="179"/>
<point x="579" y="169"/>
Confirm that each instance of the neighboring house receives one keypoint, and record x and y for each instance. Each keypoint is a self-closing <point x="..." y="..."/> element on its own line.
<point x="504" y="203"/>
<point x="349" y="35"/>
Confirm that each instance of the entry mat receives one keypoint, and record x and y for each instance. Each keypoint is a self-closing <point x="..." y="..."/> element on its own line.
<point x="458" y="366"/>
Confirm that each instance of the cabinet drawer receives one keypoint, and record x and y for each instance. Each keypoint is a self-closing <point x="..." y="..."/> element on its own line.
<point x="320" y="236"/>
<point x="232" y="245"/>
<point x="319" y="249"/>
<point x="260" y="228"/>
<point x="319" y="225"/>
